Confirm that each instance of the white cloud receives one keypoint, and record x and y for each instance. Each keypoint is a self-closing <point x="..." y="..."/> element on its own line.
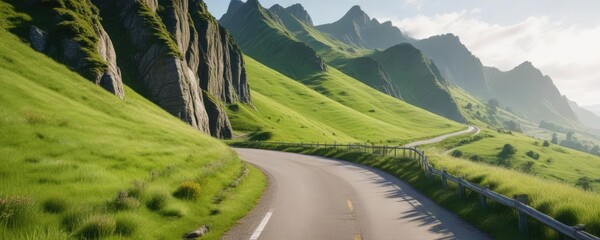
<point x="567" y="53"/>
<point x="415" y="3"/>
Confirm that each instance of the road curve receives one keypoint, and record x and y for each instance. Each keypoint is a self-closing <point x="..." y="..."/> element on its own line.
<point x="310" y="197"/>
<point x="469" y="130"/>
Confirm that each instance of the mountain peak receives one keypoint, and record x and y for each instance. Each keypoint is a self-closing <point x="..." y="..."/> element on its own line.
<point x="355" y="10"/>
<point x="253" y="3"/>
<point x="298" y="11"/>
<point x="234" y="5"/>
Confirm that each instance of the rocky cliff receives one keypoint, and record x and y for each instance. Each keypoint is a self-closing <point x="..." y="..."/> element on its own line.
<point x="358" y="29"/>
<point x="172" y="51"/>
<point x="70" y="32"/>
<point x="418" y="80"/>
<point x="263" y="36"/>
<point x="529" y="93"/>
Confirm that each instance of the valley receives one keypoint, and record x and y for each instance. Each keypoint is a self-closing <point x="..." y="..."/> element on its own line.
<point x="123" y="120"/>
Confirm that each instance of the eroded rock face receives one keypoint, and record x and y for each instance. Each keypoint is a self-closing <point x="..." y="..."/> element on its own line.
<point x="171" y="51"/>
<point x="194" y="54"/>
<point x="88" y="52"/>
<point x="38" y="39"/>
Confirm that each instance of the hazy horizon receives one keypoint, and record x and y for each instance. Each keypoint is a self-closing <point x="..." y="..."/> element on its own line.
<point x="558" y="38"/>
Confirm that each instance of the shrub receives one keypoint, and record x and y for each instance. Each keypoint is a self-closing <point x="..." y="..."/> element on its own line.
<point x="476" y="158"/>
<point x="125" y="226"/>
<point x="137" y="189"/>
<point x="457" y="153"/>
<point x="97" y="227"/>
<point x="16" y="211"/>
<point x="55" y="205"/>
<point x="508" y="151"/>
<point x="533" y="155"/>
<point x="188" y="190"/>
<point x="157" y="201"/>
<point x="123" y="201"/>
<point x="546" y="144"/>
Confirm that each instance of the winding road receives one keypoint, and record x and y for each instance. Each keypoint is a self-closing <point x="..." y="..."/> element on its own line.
<point x="312" y="197"/>
<point x="470" y="130"/>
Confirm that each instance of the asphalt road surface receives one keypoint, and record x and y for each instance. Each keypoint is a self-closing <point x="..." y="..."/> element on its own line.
<point x="316" y="198"/>
<point x="470" y="130"/>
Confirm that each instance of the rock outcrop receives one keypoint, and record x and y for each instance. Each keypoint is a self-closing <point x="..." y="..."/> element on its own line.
<point x="76" y="38"/>
<point x="358" y="29"/>
<point x="171" y="51"/>
<point x="181" y="51"/>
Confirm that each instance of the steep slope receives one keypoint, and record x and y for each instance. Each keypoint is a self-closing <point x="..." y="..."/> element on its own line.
<point x="586" y="117"/>
<point x="263" y="37"/>
<point x="418" y="80"/>
<point x="73" y="155"/>
<point x="358" y="29"/>
<point x="331" y="107"/>
<point x="529" y="93"/>
<point x="347" y="59"/>
<point x="180" y="53"/>
<point x="298" y="11"/>
<point x="456" y="63"/>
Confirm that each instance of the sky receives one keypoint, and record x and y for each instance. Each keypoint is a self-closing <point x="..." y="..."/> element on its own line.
<point x="561" y="37"/>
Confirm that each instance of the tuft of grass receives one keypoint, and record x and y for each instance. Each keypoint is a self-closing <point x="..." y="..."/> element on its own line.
<point x="172" y="212"/>
<point x="125" y="226"/>
<point x="124" y="202"/>
<point x="188" y="190"/>
<point x="55" y="205"/>
<point x="73" y="219"/>
<point x="157" y="201"/>
<point x="97" y="227"/>
<point x="16" y="211"/>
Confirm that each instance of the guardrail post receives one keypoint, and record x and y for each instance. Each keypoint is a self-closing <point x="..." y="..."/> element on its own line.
<point x="483" y="198"/>
<point x="461" y="187"/>
<point x="522" y="198"/>
<point x="395" y="149"/>
<point x="404" y="152"/>
<point x="317" y="144"/>
<point x="444" y="180"/>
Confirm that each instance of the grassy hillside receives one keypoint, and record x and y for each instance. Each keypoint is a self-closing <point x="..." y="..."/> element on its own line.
<point x="78" y="162"/>
<point x="329" y="107"/>
<point x="554" y="162"/>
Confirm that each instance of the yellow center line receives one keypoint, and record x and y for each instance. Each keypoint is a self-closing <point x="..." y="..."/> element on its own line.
<point x="357" y="237"/>
<point x="350" y="206"/>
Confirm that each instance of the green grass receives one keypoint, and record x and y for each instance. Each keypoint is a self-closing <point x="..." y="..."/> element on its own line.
<point x="63" y="136"/>
<point x="554" y="162"/>
<point x="563" y="202"/>
<point x="330" y="107"/>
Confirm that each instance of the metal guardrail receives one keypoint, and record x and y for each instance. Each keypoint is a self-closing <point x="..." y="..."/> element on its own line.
<point x="518" y="202"/>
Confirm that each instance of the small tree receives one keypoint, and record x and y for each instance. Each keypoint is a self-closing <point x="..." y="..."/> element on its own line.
<point x="508" y="151"/>
<point x="546" y="144"/>
<point x="554" y="138"/>
<point x="570" y="136"/>
<point x="457" y="153"/>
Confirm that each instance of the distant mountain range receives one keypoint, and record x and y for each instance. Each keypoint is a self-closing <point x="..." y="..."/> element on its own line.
<point x="358" y="29"/>
<point x="289" y="43"/>
<point x="383" y="57"/>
